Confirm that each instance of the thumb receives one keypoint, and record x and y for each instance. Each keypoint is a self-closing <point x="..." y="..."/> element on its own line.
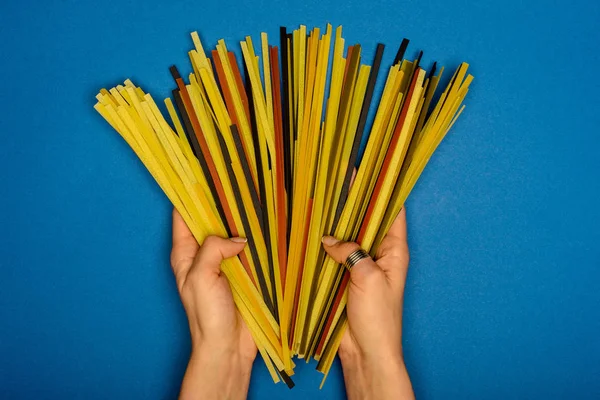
<point x="340" y="250"/>
<point x="215" y="249"/>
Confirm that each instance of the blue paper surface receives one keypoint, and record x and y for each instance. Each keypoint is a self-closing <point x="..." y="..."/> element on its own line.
<point x="502" y="299"/>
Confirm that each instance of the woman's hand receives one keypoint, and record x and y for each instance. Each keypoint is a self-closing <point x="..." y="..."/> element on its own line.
<point x="222" y="349"/>
<point x="371" y="349"/>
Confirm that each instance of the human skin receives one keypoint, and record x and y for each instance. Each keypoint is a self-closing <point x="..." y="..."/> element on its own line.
<point x="371" y="348"/>
<point x="223" y="350"/>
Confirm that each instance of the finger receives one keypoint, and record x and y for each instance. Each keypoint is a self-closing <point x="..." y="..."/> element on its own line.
<point x="214" y="250"/>
<point x="185" y="245"/>
<point x="394" y="244"/>
<point x="393" y="255"/>
<point x="339" y="251"/>
<point x="398" y="228"/>
<point x="353" y="177"/>
<point x="347" y="345"/>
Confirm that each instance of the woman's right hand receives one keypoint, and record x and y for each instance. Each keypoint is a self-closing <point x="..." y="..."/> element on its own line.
<point x="371" y="348"/>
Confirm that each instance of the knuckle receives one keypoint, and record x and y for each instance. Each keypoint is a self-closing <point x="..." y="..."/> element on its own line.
<point x="210" y="241"/>
<point x="393" y="250"/>
<point x="368" y="273"/>
<point x="371" y="272"/>
<point x="347" y="248"/>
<point x="194" y="276"/>
<point x="180" y="263"/>
<point x="180" y="279"/>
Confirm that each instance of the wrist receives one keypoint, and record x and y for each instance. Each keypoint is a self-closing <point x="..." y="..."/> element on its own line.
<point x="215" y="373"/>
<point x="375" y="377"/>
<point x="228" y="348"/>
<point x="372" y="367"/>
<point x="377" y="360"/>
<point x="222" y="357"/>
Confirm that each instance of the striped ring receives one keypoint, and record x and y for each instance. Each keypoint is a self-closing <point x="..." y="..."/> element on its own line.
<point x="355" y="257"/>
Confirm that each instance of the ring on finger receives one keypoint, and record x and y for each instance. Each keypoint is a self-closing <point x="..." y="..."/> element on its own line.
<point x="355" y="257"/>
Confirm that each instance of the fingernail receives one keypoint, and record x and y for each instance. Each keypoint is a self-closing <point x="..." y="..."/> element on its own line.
<point x="238" y="239"/>
<point x="329" y="240"/>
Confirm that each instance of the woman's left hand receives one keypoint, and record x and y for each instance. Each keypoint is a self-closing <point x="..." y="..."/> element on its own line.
<point x="222" y="348"/>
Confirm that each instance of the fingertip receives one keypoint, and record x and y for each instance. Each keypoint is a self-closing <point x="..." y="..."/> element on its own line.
<point x="337" y="249"/>
<point x="216" y="249"/>
<point x="354" y="171"/>
<point x="398" y="228"/>
<point x="185" y="246"/>
<point x="329" y="241"/>
<point x="181" y="233"/>
<point x="177" y="218"/>
<point x="402" y="214"/>
<point x="239" y="244"/>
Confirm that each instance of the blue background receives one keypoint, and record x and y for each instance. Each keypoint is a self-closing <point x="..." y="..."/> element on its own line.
<point x="502" y="300"/>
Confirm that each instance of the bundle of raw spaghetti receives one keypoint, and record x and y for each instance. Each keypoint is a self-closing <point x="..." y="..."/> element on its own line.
<point x="270" y="155"/>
